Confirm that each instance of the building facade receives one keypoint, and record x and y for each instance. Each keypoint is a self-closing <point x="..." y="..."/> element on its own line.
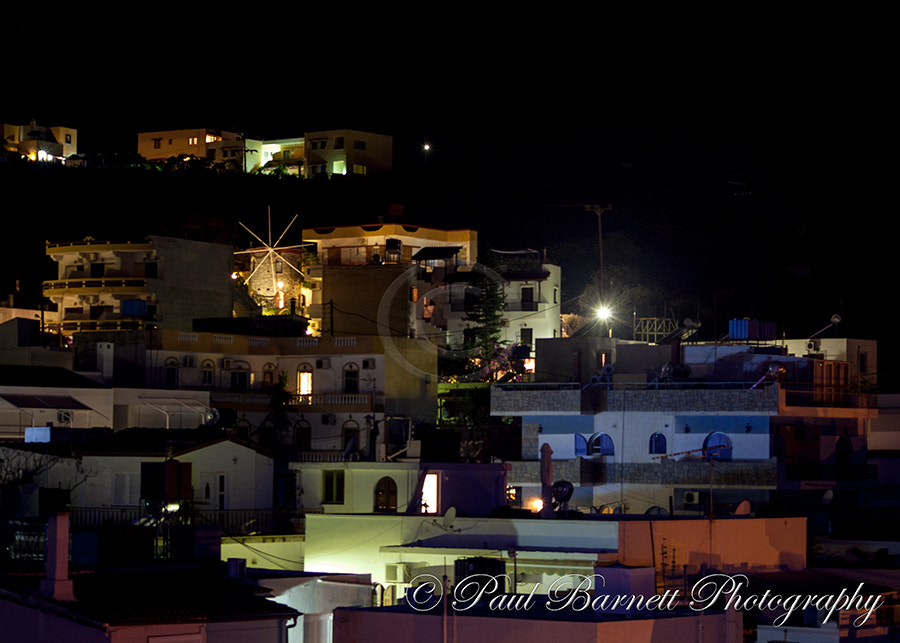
<point x="39" y="143"/>
<point x="166" y="282"/>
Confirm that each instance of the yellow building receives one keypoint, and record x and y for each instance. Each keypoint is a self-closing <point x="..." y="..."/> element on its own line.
<point x="217" y="146"/>
<point x="346" y="151"/>
<point x="39" y="143"/>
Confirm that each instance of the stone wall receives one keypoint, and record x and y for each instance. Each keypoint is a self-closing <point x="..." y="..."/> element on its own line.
<point x="588" y="471"/>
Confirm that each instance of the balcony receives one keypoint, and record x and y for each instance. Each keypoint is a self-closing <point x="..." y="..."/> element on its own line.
<point x="122" y="286"/>
<point x="316" y="403"/>
<point x="92" y="325"/>
<point x="232" y="521"/>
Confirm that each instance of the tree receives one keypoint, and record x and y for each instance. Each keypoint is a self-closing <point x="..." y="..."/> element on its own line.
<point x="485" y="303"/>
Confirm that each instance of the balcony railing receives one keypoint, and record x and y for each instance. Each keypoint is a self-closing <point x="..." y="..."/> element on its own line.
<point x="112" y="284"/>
<point x="320" y="456"/>
<point x="232" y="521"/>
<point x="89" y="325"/>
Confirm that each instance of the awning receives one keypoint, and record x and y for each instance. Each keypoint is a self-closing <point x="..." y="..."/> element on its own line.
<point x="58" y="402"/>
<point x="436" y="252"/>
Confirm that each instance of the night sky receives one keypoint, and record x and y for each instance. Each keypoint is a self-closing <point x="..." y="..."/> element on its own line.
<point x="746" y="156"/>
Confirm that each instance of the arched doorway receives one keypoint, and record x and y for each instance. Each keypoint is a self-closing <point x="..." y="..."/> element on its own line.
<point x="717" y="446"/>
<point x="385" y="496"/>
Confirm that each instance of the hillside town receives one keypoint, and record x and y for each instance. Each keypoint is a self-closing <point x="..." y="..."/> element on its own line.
<point x="374" y="428"/>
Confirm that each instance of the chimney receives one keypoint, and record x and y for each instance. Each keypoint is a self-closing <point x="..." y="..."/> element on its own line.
<point x="57" y="584"/>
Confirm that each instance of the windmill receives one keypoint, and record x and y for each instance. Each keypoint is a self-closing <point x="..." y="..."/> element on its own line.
<point x="273" y="260"/>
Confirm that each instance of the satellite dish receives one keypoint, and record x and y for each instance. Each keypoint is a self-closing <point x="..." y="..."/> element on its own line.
<point x="835" y="319"/>
<point x="743" y="509"/>
<point x="563" y="490"/>
<point x="212" y="417"/>
<point x="827" y="497"/>
<point x="449" y="517"/>
<point x="608" y="370"/>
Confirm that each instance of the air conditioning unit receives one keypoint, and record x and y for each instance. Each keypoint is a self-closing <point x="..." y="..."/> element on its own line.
<point x="323" y="363"/>
<point x="813" y="346"/>
<point x="315" y="285"/>
<point x="329" y="418"/>
<point x="368" y="364"/>
<point x="691" y="498"/>
<point x="397" y="572"/>
<point x="225" y="363"/>
<point x="189" y="361"/>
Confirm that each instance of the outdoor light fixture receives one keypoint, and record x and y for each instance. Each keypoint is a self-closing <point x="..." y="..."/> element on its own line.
<point x="604" y="313"/>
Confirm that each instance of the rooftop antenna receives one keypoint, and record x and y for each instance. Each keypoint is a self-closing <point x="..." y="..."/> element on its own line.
<point x="835" y="320"/>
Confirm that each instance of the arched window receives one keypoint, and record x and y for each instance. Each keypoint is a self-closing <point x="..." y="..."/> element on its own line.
<point x="581" y="445"/>
<point x="717" y="447"/>
<point x="601" y="444"/>
<point x="352" y="440"/>
<point x="207" y="374"/>
<point x="172" y="366"/>
<point x="657" y="443"/>
<point x="304" y="379"/>
<point x="270" y="373"/>
<point x="385" y="496"/>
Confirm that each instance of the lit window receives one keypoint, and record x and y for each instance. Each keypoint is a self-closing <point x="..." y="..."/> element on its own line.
<point x="304" y="380"/>
<point x="339" y="167"/>
<point x="359" y="169"/>
<point x="430" y="494"/>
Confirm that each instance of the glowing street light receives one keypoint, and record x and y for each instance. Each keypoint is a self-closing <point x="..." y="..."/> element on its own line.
<point x="604" y="313"/>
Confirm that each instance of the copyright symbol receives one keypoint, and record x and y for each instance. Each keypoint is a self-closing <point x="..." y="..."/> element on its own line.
<point x="440" y="295"/>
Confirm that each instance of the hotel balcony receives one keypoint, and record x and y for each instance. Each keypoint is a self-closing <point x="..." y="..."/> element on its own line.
<point x="317" y="403"/>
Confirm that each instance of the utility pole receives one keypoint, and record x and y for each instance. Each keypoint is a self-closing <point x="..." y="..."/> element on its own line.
<point x="599" y="210"/>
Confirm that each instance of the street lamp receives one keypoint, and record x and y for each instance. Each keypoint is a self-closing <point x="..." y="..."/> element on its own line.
<point x="604" y="314"/>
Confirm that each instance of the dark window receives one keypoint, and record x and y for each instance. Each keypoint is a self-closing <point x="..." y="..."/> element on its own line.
<point x="657" y="443"/>
<point x="359" y="145"/>
<point x="333" y="487"/>
<point x="339" y="142"/>
<point x="150" y="270"/>
<point x="351" y="379"/>
<point x="303" y="435"/>
<point x="580" y="445"/>
<point x="527" y="336"/>
<point x="601" y="444"/>
<point x="97" y="270"/>
<point x="171" y="377"/>
<point x="240" y="381"/>
<point x="528" y="302"/>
